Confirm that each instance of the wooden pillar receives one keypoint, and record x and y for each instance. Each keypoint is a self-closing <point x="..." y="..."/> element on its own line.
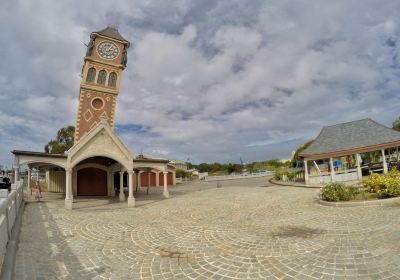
<point x="306" y="177"/>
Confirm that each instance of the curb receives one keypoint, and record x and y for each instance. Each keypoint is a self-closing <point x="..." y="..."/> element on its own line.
<point x="272" y="181"/>
<point x="379" y="202"/>
<point x="7" y="270"/>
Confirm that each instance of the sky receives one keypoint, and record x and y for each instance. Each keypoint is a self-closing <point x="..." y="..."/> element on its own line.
<point x="206" y="80"/>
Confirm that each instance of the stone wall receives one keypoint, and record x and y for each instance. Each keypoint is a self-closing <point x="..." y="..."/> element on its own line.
<point x="56" y="181"/>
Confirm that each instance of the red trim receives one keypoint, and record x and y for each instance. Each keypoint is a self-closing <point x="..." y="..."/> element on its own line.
<point x="350" y="151"/>
<point x="170" y="181"/>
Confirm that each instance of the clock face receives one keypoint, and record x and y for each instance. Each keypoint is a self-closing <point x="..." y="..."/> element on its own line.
<point x="107" y="50"/>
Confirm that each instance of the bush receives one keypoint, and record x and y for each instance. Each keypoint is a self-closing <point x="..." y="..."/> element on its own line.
<point x="386" y="185"/>
<point x="338" y="192"/>
<point x="278" y="175"/>
<point x="290" y="174"/>
<point x="182" y="174"/>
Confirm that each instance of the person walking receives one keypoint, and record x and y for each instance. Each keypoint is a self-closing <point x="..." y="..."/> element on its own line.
<point x="38" y="191"/>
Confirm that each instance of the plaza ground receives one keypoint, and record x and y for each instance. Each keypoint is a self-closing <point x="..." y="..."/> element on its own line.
<point x="247" y="229"/>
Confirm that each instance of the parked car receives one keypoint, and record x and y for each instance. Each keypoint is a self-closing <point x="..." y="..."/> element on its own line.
<point x="5" y="183"/>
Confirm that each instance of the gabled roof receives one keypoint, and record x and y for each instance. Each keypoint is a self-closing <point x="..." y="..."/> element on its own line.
<point x="39" y="154"/>
<point x="142" y="158"/>
<point x="101" y="140"/>
<point x="111" y="32"/>
<point x="351" y="136"/>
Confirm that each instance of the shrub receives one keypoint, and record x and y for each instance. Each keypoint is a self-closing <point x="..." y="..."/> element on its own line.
<point x="291" y="175"/>
<point x="338" y="192"/>
<point x="386" y="185"/>
<point x="278" y="175"/>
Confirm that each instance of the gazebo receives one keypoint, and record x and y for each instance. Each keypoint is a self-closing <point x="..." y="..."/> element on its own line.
<point x="346" y="151"/>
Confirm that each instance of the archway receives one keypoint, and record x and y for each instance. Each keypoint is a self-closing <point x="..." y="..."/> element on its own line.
<point x="170" y="180"/>
<point x="93" y="177"/>
<point x="144" y="178"/>
<point x="91" y="181"/>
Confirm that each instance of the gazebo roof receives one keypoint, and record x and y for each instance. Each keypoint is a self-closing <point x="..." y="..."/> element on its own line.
<point x="351" y="137"/>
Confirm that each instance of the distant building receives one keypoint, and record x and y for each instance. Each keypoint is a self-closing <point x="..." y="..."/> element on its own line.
<point x="179" y="165"/>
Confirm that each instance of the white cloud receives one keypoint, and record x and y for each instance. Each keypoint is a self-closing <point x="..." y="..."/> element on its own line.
<point x="213" y="80"/>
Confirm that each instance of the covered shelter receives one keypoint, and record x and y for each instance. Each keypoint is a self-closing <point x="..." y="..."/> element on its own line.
<point x="346" y="151"/>
<point x="89" y="168"/>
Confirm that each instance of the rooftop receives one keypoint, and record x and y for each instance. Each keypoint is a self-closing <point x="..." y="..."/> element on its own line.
<point x="111" y="32"/>
<point x="350" y="136"/>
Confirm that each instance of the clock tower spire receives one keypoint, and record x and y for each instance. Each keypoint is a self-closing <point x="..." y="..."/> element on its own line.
<point x="105" y="59"/>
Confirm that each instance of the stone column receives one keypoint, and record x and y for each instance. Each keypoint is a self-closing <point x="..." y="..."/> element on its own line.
<point x="137" y="173"/>
<point x="16" y="174"/>
<point x="29" y="180"/>
<point x="37" y="174"/>
<point x="112" y="184"/>
<point x="131" y="199"/>
<point x="157" y="179"/>
<point x="359" y="172"/>
<point x="165" y="193"/>
<point x="385" y="167"/>
<point x="121" y="186"/>
<point x="333" y="177"/>
<point x="306" y="178"/>
<point x="148" y="181"/>
<point x="68" y="189"/>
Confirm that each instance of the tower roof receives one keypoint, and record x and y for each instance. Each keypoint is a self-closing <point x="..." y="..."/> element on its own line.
<point x="111" y="32"/>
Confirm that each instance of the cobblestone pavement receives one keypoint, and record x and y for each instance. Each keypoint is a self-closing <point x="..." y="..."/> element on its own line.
<point x="241" y="232"/>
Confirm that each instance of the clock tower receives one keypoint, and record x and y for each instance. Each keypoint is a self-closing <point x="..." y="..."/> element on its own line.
<point x="105" y="59"/>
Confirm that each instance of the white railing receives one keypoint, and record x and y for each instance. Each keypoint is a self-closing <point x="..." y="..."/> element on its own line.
<point x="10" y="205"/>
<point x="179" y="180"/>
<point x="299" y="177"/>
<point x="240" y="176"/>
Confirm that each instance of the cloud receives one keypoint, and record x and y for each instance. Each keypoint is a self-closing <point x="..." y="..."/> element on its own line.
<point x="206" y="80"/>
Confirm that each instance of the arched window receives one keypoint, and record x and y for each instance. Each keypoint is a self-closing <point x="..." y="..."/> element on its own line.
<point x="101" y="79"/>
<point x="112" y="79"/>
<point x="91" y="74"/>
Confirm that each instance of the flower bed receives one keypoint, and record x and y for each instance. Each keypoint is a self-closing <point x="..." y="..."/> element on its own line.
<point x="384" y="186"/>
<point x="376" y="186"/>
<point x="334" y="192"/>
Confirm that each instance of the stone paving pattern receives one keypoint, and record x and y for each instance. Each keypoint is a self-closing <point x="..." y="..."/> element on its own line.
<point x="244" y="230"/>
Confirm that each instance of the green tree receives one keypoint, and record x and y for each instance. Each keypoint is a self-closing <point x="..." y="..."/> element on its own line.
<point x="296" y="156"/>
<point x="396" y="124"/>
<point x="63" y="142"/>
